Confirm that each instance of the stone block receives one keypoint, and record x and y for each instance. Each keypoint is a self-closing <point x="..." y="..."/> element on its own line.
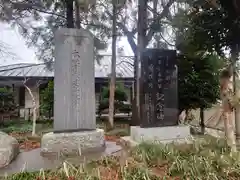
<point x="72" y="143"/>
<point x="74" y="82"/>
<point x="166" y="134"/>
<point x="9" y="149"/>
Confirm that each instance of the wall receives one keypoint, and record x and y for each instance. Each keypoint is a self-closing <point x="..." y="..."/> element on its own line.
<point x="24" y="112"/>
<point x="212" y="117"/>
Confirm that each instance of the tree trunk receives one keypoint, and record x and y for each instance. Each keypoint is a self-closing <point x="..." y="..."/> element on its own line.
<point x="181" y="116"/>
<point x="229" y="131"/>
<point x="77" y="15"/>
<point x="113" y="74"/>
<point x="34" y="110"/>
<point x="34" y="120"/>
<point x="155" y="6"/>
<point x="69" y="12"/>
<point x="234" y="58"/>
<point x="142" y="27"/>
<point x="135" y="118"/>
<point x="227" y="115"/>
<point x="202" y="124"/>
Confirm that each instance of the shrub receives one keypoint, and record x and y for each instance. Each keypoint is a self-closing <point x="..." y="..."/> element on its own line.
<point x="125" y="108"/>
<point x="120" y="98"/>
<point x="6" y="100"/>
<point x="120" y="93"/>
<point x="47" y="99"/>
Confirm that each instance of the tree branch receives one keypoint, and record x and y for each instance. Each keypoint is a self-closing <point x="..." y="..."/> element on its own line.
<point x="36" y="7"/>
<point x="153" y="11"/>
<point x="47" y="12"/>
<point x="131" y="64"/>
<point x="159" y="18"/>
<point x="168" y="43"/>
<point x="34" y="107"/>
<point x="134" y="31"/>
<point x="130" y="35"/>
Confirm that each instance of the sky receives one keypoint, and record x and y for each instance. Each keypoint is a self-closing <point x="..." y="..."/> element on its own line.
<point x="16" y="44"/>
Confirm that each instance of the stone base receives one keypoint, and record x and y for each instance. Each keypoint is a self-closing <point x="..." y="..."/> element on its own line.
<point x="169" y="134"/>
<point x="75" y="143"/>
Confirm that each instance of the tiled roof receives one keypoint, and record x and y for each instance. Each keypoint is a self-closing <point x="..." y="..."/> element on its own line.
<point x="124" y="69"/>
<point x="25" y="70"/>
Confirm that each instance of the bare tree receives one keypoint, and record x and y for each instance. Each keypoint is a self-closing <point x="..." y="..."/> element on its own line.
<point x="6" y="51"/>
<point x="35" y="107"/>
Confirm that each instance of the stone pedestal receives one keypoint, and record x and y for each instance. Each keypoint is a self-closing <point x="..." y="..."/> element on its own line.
<point x="169" y="134"/>
<point x="74" y="96"/>
<point x="74" y="143"/>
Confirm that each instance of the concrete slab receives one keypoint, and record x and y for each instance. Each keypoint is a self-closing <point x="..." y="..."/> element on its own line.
<point x="165" y="135"/>
<point x="32" y="160"/>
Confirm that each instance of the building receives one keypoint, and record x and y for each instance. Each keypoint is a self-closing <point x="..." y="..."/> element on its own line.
<point x="38" y="75"/>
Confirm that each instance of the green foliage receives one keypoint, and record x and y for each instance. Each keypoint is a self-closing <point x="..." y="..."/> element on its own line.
<point x="104" y="104"/>
<point x="198" y="81"/>
<point x="199" y="62"/>
<point x="125" y="108"/>
<point x="45" y="121"/>
<point x="17" y="127"/>
<point x="207" y="158"/>
<point x="120" y="98"/>
<point x="20" y="129"/>
<point x="120" y="94"/>
<point x="118" y="132"/>
<point x="6" y="100"/>
<point x="47" y="99"/>
<point x="23" y="15"/>
<point x="211" y="29"/>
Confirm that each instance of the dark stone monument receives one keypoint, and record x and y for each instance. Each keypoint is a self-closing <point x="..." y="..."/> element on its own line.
<point x="159" y="95"/>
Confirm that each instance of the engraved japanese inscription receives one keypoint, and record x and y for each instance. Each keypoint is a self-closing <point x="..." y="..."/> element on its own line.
<point x="159" y="100"/>
<point x="74" y="100"/>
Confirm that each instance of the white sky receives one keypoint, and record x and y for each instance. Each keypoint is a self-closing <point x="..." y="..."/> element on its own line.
<point x="16" y="45"/>
<point x="24" y="54"/>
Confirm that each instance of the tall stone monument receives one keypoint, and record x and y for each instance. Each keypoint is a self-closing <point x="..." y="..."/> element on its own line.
<point x="74" y="96"/>
<point x="159" y="99"/>
<point x="159" y="103"/>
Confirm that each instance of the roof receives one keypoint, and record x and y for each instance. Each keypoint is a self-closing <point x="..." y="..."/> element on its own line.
<point x="124" y="69"/>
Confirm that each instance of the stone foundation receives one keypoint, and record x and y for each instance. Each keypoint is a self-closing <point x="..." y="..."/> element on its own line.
<point x="75" y="143"/>
<point x="169" y="134"/>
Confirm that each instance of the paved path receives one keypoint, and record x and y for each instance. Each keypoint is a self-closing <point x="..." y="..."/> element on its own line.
<point x="32" y="161"/>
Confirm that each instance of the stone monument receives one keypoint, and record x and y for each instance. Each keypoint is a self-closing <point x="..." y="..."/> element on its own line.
<point x="74" y="96"/>
<point x="159" y="99"/>
<point x="159" y="103"/>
